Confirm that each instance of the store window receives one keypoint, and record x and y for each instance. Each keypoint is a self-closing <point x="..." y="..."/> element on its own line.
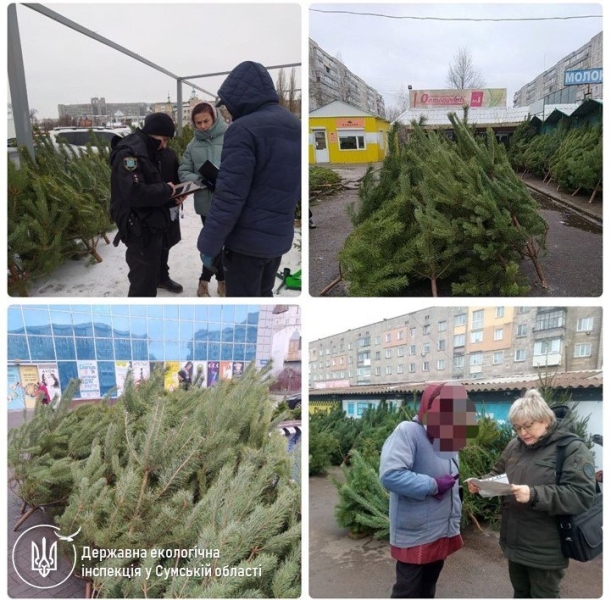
<point x="351" y="140"/>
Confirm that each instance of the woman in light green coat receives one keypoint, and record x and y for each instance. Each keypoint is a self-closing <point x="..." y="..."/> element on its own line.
<point x="207" y="144"/>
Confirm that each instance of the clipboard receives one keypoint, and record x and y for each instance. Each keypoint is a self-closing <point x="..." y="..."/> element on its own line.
<point x="209" y="173"/>
<point x="188" y="187"/>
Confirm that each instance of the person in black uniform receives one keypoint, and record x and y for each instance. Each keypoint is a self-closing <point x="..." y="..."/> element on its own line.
<point x="143" y="178"/>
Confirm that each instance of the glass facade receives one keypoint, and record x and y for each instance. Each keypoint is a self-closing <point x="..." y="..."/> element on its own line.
<point x="102" y="339"/>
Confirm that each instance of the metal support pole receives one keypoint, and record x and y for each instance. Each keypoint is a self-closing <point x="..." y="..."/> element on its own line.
<point x="16" y="78"/>
<point x="179" y="105"/>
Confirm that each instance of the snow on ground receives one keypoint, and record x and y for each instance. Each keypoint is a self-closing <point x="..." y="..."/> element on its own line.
<point x="85" y="278"/>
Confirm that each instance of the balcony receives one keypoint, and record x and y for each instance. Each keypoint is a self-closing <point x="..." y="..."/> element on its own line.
<point x="547" y="360"/>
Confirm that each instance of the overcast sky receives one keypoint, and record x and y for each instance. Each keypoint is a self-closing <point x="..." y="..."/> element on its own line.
<point x="389" y="52"/>
<point x="63" y="66"/>
<point x="328" y="316"/>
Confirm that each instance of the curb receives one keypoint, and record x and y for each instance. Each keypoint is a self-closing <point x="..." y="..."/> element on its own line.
<point x="594" y="219"/>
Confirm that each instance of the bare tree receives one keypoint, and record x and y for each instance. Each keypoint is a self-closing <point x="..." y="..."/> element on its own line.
<point x="287" y="91"/>
<point x="400" y="105"/>
<point x="462" y="75"/>
<point x="292" y="92"/>
<point x="281" y="88"/>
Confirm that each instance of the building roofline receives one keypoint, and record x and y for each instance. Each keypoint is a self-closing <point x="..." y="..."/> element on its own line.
<point x="569" y="380"/>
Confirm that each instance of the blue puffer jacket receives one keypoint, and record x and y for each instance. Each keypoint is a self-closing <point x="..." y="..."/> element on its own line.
<point x="259" y="183"/>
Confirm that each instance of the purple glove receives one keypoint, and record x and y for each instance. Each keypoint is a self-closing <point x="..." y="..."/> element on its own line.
<point x="444" y="484"/>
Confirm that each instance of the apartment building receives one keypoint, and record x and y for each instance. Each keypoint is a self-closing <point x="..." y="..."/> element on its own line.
<point x="330" y="79"/>
<point x="462" y="343"/>
<point x="549" y="85"/>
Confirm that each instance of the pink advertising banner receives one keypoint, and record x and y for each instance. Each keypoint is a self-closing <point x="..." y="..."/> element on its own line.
<point x="484" y="98"/>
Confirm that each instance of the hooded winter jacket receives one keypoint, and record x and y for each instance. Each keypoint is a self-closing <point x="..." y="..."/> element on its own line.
<point x="205" y="145"/>
<point x="529" y="533"/>
<point x="408" y="466"/>
<point x="259" y="183"/>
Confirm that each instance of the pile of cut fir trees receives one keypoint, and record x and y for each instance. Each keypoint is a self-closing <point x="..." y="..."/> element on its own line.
<point x="447" y="216"/>
<point x="159" y="471"/>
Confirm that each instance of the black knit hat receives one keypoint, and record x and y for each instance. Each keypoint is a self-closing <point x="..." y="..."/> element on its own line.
<point x="159" y="124"/>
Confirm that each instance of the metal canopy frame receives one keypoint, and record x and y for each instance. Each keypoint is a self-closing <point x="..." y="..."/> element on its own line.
<point x="16" y="72"/>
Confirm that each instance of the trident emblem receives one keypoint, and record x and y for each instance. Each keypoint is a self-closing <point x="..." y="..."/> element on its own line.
<point x="42" y="562"/>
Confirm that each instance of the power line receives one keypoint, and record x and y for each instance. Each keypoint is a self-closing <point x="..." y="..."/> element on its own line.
<point x="483" y="19"/>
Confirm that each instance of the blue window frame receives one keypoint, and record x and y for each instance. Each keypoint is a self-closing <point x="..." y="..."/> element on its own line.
<point x="18" y="347"/>
<point x="102" y="326"/>
<point x="239" y="352"/>
<point x="106" y="376"/>
<point x="139" y="327"/>
<point x="120" y="327"/>
<point x="37" y="321"/>
<point x="85" y="348"/>
<point x="104" y="348"/>
<point x="41" y="348"/>
<point x="83" y="325"/>
<point x="123" y="349"/>
<point x="140" y="350"/>
<point x="64" y="346"/>
<point x="67" y="371"/>
<point x="15" y="320"/>
<point x="201" y="351"/>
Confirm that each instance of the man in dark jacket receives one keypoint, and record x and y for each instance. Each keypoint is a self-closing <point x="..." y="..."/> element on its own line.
<point x="258" y="185"/>
<point x="143" y="175"/>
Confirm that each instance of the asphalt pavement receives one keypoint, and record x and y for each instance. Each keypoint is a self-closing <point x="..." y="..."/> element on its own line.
<point x="342" y="567"/>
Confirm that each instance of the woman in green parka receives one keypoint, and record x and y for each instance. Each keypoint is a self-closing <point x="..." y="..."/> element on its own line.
<point x="207" y="144"/>
<point x="529" y="532"/>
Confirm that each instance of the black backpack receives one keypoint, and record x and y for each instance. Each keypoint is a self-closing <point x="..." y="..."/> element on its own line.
<point x="581" y="535"/>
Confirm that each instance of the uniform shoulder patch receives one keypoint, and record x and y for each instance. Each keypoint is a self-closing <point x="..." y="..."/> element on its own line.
<point x="588" y="469"/>
<point x="130" y="163"/>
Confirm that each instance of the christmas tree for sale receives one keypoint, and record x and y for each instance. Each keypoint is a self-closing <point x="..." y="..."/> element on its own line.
<point x="189" y="494"/>
<point x="577" y="164"/>
<point x="43" y="450"/>
<point x="35" y="224"/>
<point x="456" y="212"/>
<point x="377" y="188"/>
<point x="363" y="502"/>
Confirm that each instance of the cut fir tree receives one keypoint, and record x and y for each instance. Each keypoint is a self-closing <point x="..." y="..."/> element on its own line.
<point x="454" y="212"/>
<point x="181" y="494"/>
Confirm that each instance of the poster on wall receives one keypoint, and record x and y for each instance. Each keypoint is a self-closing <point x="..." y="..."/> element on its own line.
<point x="16" y="395"/>
<point x="226" y="369"/>
<point x="140" y="371"/>
<point x="213" y="372"/>
<point x="49" y="376"/>
<point x="29" y="383"/>
<point x="237" y="369"/>
<point x="121" y="370"/>
<point x="171" y="375"/>
<point x="200" y="372"/>
<point x="88" y="374"/>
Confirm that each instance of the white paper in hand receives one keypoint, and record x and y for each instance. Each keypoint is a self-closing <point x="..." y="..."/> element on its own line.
<point x="492" y="486"/>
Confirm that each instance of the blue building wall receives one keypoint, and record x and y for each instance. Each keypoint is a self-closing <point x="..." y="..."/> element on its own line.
<point x="66" y="334"/>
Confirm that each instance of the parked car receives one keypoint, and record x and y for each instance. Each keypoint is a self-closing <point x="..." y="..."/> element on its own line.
<point x="293" y="401"/>
<point x="78" y="137"/>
